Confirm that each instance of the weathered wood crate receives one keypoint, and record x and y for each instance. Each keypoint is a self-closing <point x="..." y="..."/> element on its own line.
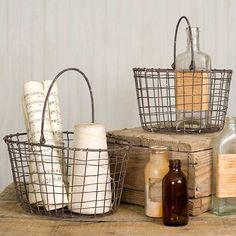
<point x="194" y="151"/>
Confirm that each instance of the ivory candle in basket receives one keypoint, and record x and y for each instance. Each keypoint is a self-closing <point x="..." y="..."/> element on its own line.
<point x="89" y="180"/>
<point x="52" y="188"/>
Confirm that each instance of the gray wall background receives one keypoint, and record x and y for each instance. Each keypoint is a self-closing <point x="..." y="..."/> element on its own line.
<point x="105" y="39"/>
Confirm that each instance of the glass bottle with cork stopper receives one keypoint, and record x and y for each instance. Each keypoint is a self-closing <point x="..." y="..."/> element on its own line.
<point x="175" y="196"/>
<point x="155" y="170"/>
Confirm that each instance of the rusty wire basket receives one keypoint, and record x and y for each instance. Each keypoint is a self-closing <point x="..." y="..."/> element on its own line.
<point x="190" y="101"/>
<point x="159" y="104"/>
<point x="98" y="193"/>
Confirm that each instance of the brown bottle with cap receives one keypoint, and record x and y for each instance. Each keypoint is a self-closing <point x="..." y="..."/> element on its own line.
<point x="175" y="196"/>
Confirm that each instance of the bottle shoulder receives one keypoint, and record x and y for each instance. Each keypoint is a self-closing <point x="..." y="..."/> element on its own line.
<point x="155" y="169"/>
<point x="175" y="177"/>
<point x="225" y="143"/>
<point x="202" y="60"/>
<point x="198" y="53"/>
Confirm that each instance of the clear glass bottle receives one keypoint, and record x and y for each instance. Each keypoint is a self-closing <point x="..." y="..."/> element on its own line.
<point x="192" y="92"/>
<point x="175" y="196"/>
<point x="224" y="170"/>
<point x="155" y="170"/>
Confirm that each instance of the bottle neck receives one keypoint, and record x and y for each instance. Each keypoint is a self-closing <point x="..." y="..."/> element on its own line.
<point x="175" y="165"/>
<point x="159" y="157"/>
<point x="195" y="39"/>
<point x="158" y="153"/>
<point x="175" y="168"/>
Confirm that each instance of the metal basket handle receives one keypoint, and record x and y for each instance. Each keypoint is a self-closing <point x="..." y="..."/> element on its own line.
<point x="42" y="139"/>
<point x="192" y="64"/>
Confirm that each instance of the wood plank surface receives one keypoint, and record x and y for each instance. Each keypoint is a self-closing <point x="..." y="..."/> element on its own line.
<point x="128" y="220"/>
<point x="176" y="142"/>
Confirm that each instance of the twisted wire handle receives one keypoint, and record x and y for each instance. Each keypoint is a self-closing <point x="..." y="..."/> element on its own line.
<point x="192" y="64"/>
<point x="42" y="139"/>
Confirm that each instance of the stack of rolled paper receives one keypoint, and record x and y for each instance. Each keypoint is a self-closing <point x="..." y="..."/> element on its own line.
<point x="46" y="180"/>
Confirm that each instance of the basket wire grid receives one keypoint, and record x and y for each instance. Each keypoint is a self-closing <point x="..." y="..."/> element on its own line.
<point x="189" y="101"/>
<point x="157" y="100"/>
<point x="103" y="199"/>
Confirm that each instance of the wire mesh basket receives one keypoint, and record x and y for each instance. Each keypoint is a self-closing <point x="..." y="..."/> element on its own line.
<point x="191" y="101"/>
<point x="159" y="104"/>
<point x="94" y="191"/>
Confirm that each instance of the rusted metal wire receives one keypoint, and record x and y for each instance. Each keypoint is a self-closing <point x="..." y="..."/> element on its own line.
<point x="160" y="98"/>
<point x="20" y="151"/>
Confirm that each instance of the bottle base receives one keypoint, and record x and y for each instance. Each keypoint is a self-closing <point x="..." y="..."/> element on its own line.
<point x="223" y="206"/>
<point x="225" y="213"/>
<point x="175" y="224"/>
<point x="191" y="120"/>
<point x="189" y="125"/>
<point x="176" y="221"/>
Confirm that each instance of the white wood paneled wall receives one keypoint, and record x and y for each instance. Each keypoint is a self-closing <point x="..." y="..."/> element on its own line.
<point x="105" y="39"/>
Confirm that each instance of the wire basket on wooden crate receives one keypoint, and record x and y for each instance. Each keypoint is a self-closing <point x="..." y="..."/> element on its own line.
<point x="97" y="193"/>
<point x="159" y="104"/>
<point x="186" y="101"/>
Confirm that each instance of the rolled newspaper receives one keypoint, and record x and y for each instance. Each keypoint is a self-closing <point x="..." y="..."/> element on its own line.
<point x="54" y="112"/>
<point x="48" y="162"/>
<point x="34" y="194"/>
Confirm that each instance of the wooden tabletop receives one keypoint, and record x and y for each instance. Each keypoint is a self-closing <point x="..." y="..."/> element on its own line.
<point x="128" y="220"/>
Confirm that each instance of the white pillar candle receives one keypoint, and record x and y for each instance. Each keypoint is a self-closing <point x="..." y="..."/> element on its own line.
<point x="90" y="181"/>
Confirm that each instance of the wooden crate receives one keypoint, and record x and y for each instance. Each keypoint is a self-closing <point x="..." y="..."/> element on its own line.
<point x="195" y="152"/>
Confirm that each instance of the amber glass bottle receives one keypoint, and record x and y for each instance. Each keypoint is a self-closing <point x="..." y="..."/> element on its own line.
<point x="175" y="196"/>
